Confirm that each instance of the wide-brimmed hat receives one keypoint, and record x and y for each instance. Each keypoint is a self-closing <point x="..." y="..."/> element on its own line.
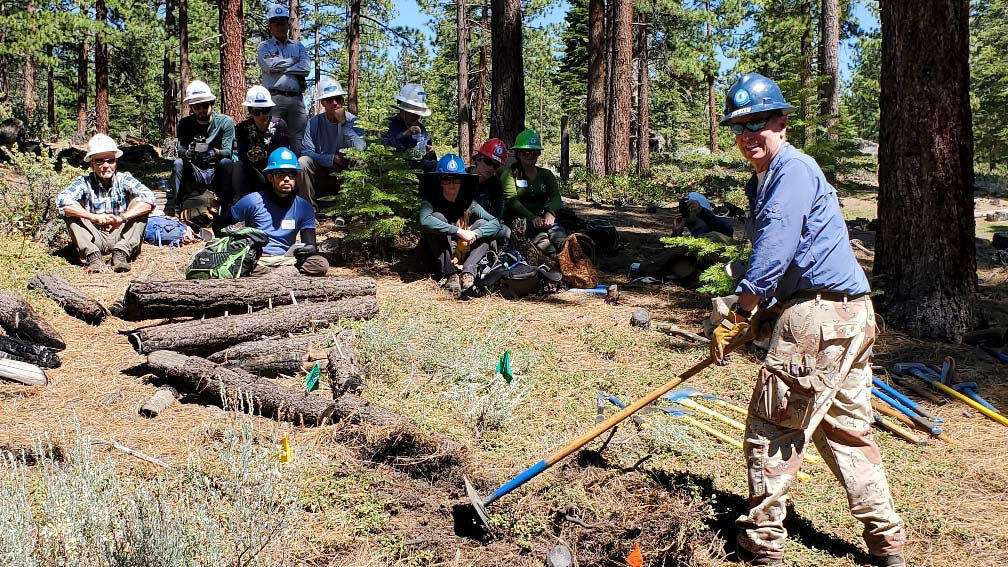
<point x="101" y="144"/>
<point x="413" y="99"/>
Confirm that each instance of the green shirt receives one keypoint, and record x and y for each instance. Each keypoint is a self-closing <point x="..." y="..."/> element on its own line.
<point x="530" y="199"/>
<point x="219" y="133"/>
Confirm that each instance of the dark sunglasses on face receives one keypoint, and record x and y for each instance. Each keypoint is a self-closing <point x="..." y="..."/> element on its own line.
<point x="259" y="111"/>
<point x="490" y="162"/>
<point x="529" y="153"/>
<point x="103" y="161"/>
<point x="752" y="126"/>
<point x="281" y="173"/>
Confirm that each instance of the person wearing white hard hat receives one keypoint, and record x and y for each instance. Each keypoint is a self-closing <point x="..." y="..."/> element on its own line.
<point x="205" y="145"/>
<point x="327" y="135"/>
<point x="105" y="211"/>
<point x="285" y="64"/>
<point x="405" y="131"/>
<point x="256" y="136"/>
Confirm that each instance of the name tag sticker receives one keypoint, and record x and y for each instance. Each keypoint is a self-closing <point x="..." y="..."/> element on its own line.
<point x="287" y="224"/>
<point x="521" y="183"/>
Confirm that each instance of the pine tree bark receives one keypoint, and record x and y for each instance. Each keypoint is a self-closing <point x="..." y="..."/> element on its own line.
<point x="643" y="103"/>
<point x="82" y="87"/>
<point x="183" y="30"/>
<point x="50" y="92"/>
<point x="295" y="20"/>
<point x="565" y="148"/>
<point x="20" y="321"/>
<point x="926" y="268"/>
<point x="29" y="88"/>
<point x="596" y="123"/>
<point x="232" y="58"/>
<point x="807" y="75"/>
<point x="618" y="148"/>
<point x="462" y="68"/>
<point x="353" y="47"/>
<point x="169" y="102"/>
<point x="712" y="113"/>
<point x="829" y="66"/>
<point x="480" y="116"/>
<point x="507" y="85"/>
<point x="69" y="297"/>
<point x="101" y="68"/>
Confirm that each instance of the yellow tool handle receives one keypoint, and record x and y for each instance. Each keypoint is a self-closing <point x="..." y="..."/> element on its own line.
<point x="971" y="403"/>
<point x="892" y="412"/>
<point x="691" y="404"/>
<point x="737" y="409"/>
<point x="804" y="477"/>
<point x="899" y="431"/>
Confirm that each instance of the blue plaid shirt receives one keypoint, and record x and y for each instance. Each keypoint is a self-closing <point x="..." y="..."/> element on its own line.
<point x="89" y="193"/>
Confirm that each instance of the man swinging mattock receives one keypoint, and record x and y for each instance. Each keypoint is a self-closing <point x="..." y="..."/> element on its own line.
<point x="816" y="379"/>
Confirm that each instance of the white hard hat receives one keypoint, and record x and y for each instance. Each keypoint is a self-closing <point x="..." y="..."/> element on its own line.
<point x="277" y="11"/>
<point x="258" y="97"/>
<point x="328" y="87"/>
<point x="100" y="144"/>
<point x="197" y="92"/>
<point x="412" y="98"/>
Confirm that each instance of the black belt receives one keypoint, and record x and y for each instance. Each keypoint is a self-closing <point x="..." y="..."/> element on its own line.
<point x="286" y="93"/>
<point x="828" y="295"/>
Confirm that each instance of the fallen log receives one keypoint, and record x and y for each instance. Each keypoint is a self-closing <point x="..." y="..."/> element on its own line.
<point x="209" y="335"/>
<point x="387" y="437"/>
<point x="159" y="300"/>
<point x="22" y="322"/>
<point x="22" y="372"/>
<point x="38" y="355"/>
<point x="69" y="297"/>
<point x="163" y="398"/>
<point x="271" y="357"/>
<point x="345" y="374"/>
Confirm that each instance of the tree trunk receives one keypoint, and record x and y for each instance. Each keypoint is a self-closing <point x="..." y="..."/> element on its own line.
<point x="69" y="297"/>
<point x="354" y="50"/>
<point x="183" y="31"/>
<point x="618" y="148"/>
<point x="295" y="20"/>
<point x="829" y="67"/>
<point x="712" y="113"/>
<point x="807" y="76"/>
<point x="82" y="87"/>
<point x="29" y="352"/>
<point x="643" y="104"/>
<point x="101" y="68"/>
<point x="50" y="92"/>
<point x="507" y="85"/>
<point x="196" y="298"/>
<point x="480" y="117"/>
<point x="926" y="269"/>
<point x="210" y="335"/>
<point x="462" y="94"/>
<point x="610" y="28"/>
<point x="316" y="106"/>
<point x="169" y="102"/>
<point x="272" y="357"/>
<point x="22" y="322"/>
<point x="596" y="124"/>
<point x="565" y="148"/>
<point x="22" y="373"/>
<point x="232" y="58"/>
<point x="29" y="89"/>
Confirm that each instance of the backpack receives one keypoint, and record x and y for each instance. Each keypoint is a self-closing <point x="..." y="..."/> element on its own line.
<point x="603" y="233"/>
<point x="231" y="255"/>
<point x="576" y="261"/>
<point x="510" y="275"/>
<point x="164" y="231"/>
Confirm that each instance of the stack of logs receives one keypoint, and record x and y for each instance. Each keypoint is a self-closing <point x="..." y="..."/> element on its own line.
<point x="30" y="345"/>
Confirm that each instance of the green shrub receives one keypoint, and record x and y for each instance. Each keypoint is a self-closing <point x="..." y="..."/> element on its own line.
<point x="714" y="280"/>
<point x="28" y="197"/>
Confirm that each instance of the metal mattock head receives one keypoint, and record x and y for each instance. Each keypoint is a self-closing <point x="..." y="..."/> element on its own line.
<point x="477" y="503"/>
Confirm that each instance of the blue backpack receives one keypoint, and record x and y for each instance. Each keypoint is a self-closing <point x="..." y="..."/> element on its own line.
<point x="164" y="231"/>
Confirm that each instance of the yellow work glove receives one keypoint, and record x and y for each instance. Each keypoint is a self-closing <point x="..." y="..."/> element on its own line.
<point x="733" y="326"/>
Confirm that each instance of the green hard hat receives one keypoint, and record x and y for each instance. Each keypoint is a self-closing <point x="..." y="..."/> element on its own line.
<point x="527" y="140"/>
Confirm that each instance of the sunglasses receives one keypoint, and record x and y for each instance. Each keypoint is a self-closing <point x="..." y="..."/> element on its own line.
<point x="199" y="105"/>
<point x="490" y="162"/>
<point x="529" y="153"/>
<point x="259" y="111"/>
<point x="281" y="173"/>
<point x="103" y="161"/>
<point x="752" y="126"/>
<point x="451" y="180"/>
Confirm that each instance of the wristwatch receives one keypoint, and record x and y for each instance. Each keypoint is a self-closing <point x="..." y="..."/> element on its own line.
<point x="738" y="309"/>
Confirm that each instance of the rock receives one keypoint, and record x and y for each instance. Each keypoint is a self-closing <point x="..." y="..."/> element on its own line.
<point x="640" y="318"/>
<point x="559" y="556"/>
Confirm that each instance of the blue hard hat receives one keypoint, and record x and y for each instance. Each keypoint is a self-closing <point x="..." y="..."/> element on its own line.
<point x="451" y="164"/>
<point x="282" y="158"/>
<point x="694" y="196"/>
<point x="753" y="93"/>
<point x="277" y="11"/>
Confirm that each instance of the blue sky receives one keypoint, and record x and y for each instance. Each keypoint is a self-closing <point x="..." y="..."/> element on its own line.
<point x="409" y="14"/>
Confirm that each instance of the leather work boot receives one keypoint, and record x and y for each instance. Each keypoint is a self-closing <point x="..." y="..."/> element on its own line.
<point x="755" y="560"/>
<point x="94" y="264"/>
<point x="120" y="262"/>
<point x="888" y="561"/>
<point x="466" y="281"/>
<point x="453" y="285"/>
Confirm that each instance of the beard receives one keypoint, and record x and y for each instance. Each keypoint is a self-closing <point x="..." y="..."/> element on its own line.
<point x="105" y="175"/>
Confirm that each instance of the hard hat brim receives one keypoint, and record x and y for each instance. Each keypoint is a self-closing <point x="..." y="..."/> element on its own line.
<point x="331" y="95"/>
<point x="199" y="99"/>
<point x="755" y="109"/>
<point x="89" y="155"/>
<point x="268" y="104"/>
<point x="422" y="111"/>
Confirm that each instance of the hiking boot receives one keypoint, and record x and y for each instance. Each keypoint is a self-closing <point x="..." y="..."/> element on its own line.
<point x="466" y="281"/>
<point x="94" y="264"/>
<point x="120" y="262"/>
<point x="888" y="561"/>
<point x="453" y="285"/>
<point x="755" y="560"/>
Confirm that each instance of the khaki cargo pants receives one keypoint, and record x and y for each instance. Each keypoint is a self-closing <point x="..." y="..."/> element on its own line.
<point x="803" y="391"/>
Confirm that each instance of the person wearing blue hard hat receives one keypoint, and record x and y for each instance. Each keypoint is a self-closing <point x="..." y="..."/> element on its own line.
<point x="456" y="232"/>
<point x="285" y="217"/>
<point x="815" y="382"/>
<point x="285" y="65"/>
<point x="696" y="216"/>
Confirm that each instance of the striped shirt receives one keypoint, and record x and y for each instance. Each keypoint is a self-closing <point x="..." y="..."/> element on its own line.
<point x="89" y="193"/>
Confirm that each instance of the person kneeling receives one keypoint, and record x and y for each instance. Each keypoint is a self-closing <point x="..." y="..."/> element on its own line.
<point x="282" y="215"/>
<point x="456" y="232"/>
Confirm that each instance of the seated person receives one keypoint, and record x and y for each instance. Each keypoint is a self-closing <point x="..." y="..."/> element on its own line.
<point x="455" y="231"/>
<point x="257" y="137"/>
<point x="283" y="215"/>
<point x="105" y="211"/>
<point x="328" y="133"/>
<point x="486" y="164"/>
<point x="405" y="131"/>
<point x="205" y="142"/>
<point x="696" y="216"/>
<point x="532" y="197"/>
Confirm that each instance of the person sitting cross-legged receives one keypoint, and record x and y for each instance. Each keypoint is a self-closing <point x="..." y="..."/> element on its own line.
<point x="105" y="211"/>
<point x="284" y="216"/>
<point x="451" y="221"/>
<point x="327" y="135"/>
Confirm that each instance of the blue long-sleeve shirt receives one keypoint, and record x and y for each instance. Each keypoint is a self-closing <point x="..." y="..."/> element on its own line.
<point x="799" y="238"/>
<point x="711" y="223"/>
<point x="284" y="65"/>
<point x="324" y="139"/>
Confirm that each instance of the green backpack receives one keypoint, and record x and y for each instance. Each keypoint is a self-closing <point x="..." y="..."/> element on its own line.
<point x="232" y="255"/>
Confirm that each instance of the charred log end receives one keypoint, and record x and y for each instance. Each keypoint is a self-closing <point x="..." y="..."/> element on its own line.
<point x="137" y="343"/>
